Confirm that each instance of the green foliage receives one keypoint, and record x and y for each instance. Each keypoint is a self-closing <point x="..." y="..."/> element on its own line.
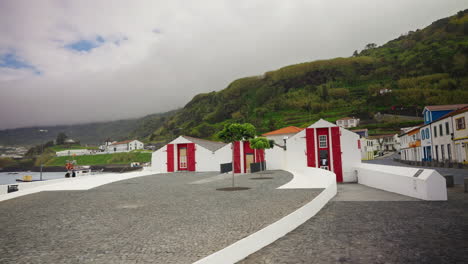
<point x="260" y="143"/>
<point x="102" y="159"/>
<point x="236" y="132"/>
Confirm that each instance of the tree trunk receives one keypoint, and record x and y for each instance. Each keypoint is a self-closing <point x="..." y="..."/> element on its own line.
<point x="232" y="164"/>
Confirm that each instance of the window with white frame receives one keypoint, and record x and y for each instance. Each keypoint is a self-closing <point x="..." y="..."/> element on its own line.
<point x="322" y="141"/>
<point x="460" y="123"/>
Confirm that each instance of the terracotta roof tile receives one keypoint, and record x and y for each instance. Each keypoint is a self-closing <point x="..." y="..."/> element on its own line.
<point x="284" y="130"/>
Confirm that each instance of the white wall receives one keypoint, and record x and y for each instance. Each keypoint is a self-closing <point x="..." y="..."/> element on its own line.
<point x="77" y="152"/>
<point x="135" y="144"/>
<point x="430" y="185"/>
<point x="350" y="154"/>
<point x="279" y="138"/>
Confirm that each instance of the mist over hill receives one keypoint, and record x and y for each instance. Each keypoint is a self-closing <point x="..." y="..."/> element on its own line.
<point x="92" y="133"/>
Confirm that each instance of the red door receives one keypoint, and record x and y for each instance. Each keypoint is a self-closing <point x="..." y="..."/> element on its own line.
<point x="170" y="157"/>
<point x="237" y="159"/>
<point x="310" y="147"/>
<point x="182" y="156"/>
<point x="191" y="157"/>
<point x="336" y="148"/>
<point x="323" y="148"/>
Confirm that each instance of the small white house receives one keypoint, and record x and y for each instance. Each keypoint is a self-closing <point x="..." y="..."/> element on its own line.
<point x="321" y="145"/>
<point x="124" y="146"/>
<point x="348" y="122"/>
<point x="194" y="154"/>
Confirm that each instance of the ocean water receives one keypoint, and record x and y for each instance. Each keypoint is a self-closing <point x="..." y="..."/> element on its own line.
<point x="9" y="178"/>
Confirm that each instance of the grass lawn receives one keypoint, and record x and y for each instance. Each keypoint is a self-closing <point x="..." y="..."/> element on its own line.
<point x="103" y="159"/>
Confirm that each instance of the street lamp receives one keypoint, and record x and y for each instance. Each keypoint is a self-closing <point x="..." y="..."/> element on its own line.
<point x="42" y="151"/>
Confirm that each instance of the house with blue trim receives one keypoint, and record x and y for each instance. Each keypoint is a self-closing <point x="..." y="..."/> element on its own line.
<point x="433" y="112"/>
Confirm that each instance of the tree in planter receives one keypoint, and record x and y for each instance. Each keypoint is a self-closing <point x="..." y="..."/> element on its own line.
<point x="236" y="132"/>
<point x="261" y="143"/>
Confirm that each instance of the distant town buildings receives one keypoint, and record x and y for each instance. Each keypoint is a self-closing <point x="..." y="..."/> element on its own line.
<point x="443" y="137"/>
<point x="347" y="122"/>
<point x="376" y="145"/>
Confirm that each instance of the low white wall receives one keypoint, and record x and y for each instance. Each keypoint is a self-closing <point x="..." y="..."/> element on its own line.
<point x="256" y="241"/>
<point x="78" y="183"/>
<point x="429" y="185"/>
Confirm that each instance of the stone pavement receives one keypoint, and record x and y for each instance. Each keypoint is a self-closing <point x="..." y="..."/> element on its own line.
<point x="357" y="192"/>
<point x="377" y="232"/>
<point x="152" y="219"/>
<point x="458" y="174"/>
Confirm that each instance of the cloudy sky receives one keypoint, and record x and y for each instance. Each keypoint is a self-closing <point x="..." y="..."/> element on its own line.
<point x="64" y="62"/>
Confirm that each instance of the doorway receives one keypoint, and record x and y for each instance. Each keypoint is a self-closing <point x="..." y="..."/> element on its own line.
<point x="182" y="156"/>
<point x="249" y="159"/>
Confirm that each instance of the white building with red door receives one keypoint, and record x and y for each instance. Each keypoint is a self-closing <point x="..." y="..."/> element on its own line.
<point x="321" y="145"/>
<point x="193" y="154"/>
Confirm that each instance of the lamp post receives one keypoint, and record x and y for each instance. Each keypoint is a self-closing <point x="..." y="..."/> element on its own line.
<point x="42" y="151"/>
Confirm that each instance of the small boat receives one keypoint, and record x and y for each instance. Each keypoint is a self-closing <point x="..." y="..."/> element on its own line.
<point x="21" y="180"/>
<point x="78" y="171"/>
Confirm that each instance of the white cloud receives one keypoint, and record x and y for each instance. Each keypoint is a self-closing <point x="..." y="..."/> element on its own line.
<point x="168" y="51"/>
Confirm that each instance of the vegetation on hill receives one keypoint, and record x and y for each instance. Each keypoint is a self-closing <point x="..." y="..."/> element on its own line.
<point x="423" y="67"/>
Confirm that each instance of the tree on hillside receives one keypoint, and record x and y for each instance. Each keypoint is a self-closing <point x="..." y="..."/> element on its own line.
<point x="261" y="143"/>
<point x="236" y="132"/>
<point x="370" y="46"/>
<point x="61" y="137"/>
<point x="355" y="53"/>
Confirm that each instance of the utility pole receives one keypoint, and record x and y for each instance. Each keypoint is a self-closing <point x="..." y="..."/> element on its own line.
<point x="42" y="151"/>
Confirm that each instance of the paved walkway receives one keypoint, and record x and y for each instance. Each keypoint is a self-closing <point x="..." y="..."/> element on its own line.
<point x="153" y="219"/>
<point x="458" y="174"/>
<point x="358" y="193"/>
<point x="376" y="231"/>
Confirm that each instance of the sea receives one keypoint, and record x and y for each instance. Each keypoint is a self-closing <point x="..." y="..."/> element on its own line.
<point x="10" y="177"/>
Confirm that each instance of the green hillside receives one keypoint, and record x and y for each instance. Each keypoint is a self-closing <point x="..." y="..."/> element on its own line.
<point x="422" y="67"/>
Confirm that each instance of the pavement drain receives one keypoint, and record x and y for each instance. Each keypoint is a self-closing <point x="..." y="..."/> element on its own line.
<point x="230" y="189"/>
<point x="261" y="178"/>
